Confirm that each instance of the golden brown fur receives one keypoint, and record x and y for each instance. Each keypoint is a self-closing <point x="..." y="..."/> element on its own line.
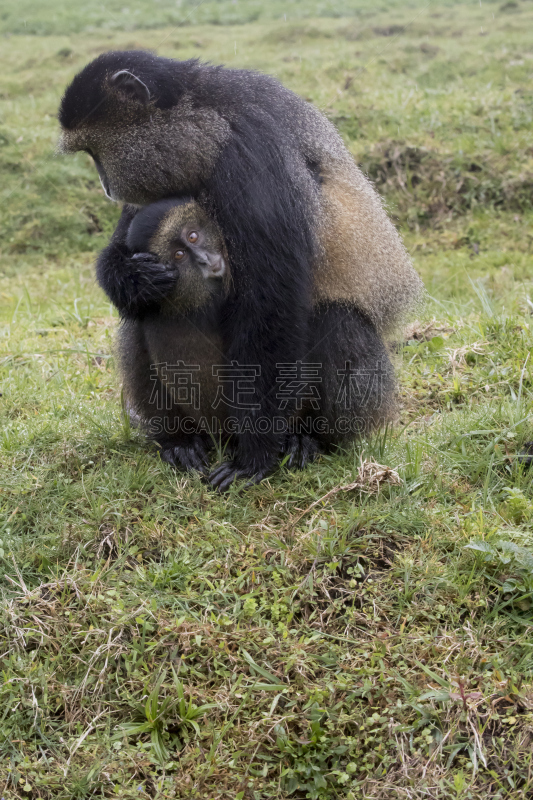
<point x="363" y="261"/>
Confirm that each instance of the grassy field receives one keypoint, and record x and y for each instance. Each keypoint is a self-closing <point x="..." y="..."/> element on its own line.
<point x="159" y="640"/>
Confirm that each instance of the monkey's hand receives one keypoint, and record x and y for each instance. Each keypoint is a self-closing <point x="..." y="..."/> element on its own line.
<point x="150" y="282"/>
<point x="188" y="455"/>
<point x="135" y="284"/>
<point x="300" y="449"/>
<point x="224" y="475"/>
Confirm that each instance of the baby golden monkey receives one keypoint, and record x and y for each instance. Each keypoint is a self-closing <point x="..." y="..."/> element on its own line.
<point x="177" y="288"/>
<point x="187" y="244"/>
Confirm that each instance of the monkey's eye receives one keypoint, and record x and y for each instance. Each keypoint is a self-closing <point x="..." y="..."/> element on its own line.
<point x="192" y="237"/>
<point x="179" y="254"/>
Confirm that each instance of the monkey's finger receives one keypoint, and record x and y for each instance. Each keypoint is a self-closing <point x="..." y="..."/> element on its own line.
<point x="292" y="447"/>
<point x="308" y="451"/>
<point x="194" y="460"/>
<point x="172" y="456"/>
<point x="200" y="450"/>
<point x="182" y="458"/>
<point x="157" y="273"/>
<point x="167" y="455"/>
<point x="301" y="450"/>
<point x="150" y="267"/>
<point x="223" y="476"/>
<point x="144" y="257"/>
<point x="257" y="478"/>
<point x="221" y="472"/>
<point x="166" y="277"/>
<point x="153" y="272"/>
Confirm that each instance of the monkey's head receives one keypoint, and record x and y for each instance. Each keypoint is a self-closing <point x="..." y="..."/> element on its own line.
<point x="133" y="113"/>
<point x="181" y="234"/>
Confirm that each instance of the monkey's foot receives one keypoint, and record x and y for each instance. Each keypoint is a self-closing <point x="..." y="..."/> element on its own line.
<point x="223" y="476"/>
<point x="301" y="450"/>
<point x="191" y="455"/>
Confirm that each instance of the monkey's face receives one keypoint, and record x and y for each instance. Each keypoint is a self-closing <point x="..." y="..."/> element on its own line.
<point x="181" y="235"/>
<point x="191" y="243"/>
<point x="193" y="251"/>
<point x="134" y="162"/>
<point x="144" y="144"/>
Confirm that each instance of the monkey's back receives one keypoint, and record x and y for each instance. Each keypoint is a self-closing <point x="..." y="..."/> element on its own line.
<point x="362" y="260"/>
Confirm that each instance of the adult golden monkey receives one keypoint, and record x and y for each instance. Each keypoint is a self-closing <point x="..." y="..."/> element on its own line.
<point x="306" y="235"/>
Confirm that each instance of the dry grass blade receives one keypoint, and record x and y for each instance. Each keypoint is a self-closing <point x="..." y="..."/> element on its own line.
<point x="423" y="331"/>
<point x="370" y="477"/>
<point x="457" y="356"/>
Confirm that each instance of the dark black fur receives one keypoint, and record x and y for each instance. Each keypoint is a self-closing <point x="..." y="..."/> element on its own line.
<point x="264" y="218"/>
<point x="145" y="224"/>
<point x="86" y="100"/>
<point x="344" y="338"/>
<point x="135" y="283"/>
<point x="232" y="92"/>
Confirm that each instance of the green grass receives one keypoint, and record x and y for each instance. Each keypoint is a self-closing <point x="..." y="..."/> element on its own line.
<point x="50" y="17"/>
<point x="159" y="640"/>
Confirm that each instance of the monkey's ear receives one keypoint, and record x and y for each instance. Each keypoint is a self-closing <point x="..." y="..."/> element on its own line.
<point x="130" y="85"/>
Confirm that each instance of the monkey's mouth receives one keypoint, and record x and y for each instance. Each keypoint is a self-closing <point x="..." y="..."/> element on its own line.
<point x="103" y="179"/>
<point x="105" y="187"/>
<point x="213" y="267"/>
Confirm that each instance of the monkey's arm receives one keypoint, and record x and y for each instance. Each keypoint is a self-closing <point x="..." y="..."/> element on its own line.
<point x="263" y="200"/>
<point x="135" y="283"/>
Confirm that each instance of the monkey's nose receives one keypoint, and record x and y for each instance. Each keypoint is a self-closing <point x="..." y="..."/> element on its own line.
<point x="217" y="267"/>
